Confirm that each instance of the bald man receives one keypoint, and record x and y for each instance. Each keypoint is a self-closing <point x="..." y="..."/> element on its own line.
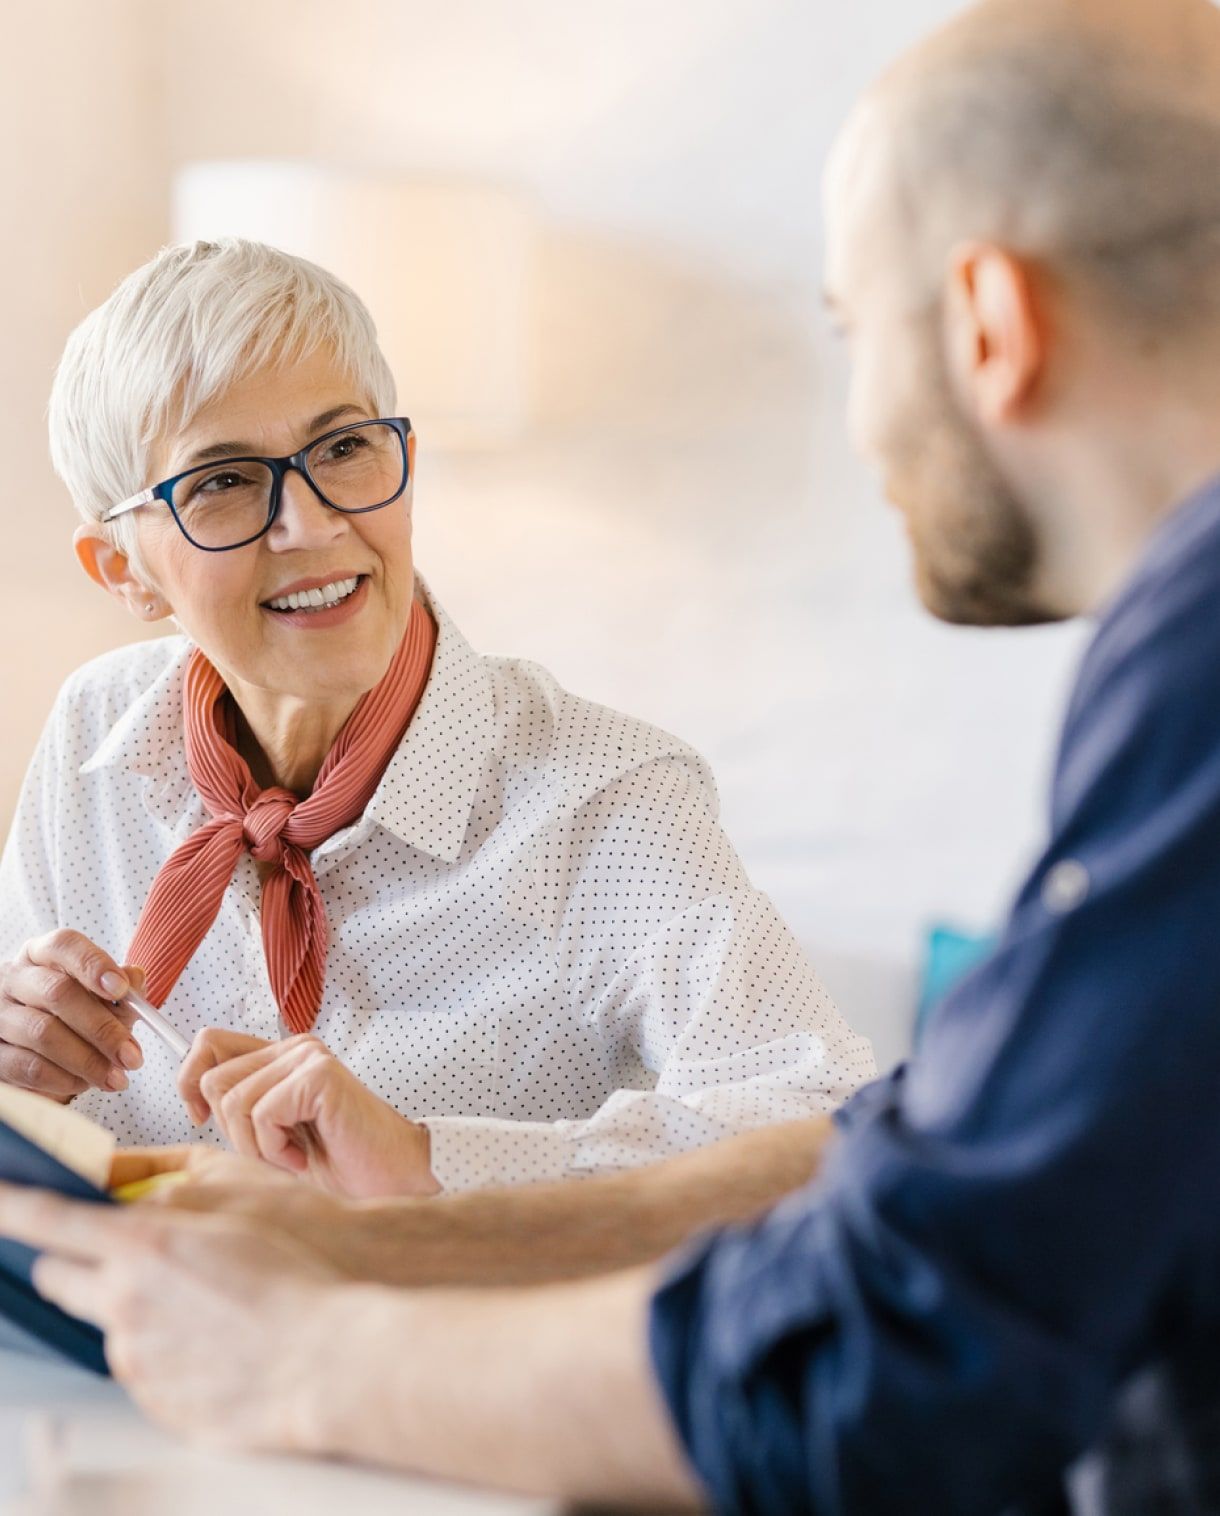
<point x="1013" y="1255"/>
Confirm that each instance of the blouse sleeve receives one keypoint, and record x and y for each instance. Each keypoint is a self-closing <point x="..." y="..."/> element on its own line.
<point x="29" y="896"/>
<point x="703" y="1006"/>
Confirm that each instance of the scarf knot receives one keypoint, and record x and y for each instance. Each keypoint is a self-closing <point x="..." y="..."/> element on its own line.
<point x="274" y="826"/>
<point x="263" y="824"/>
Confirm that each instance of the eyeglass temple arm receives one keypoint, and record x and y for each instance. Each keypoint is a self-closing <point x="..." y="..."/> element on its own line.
<point x="145" y="497"/>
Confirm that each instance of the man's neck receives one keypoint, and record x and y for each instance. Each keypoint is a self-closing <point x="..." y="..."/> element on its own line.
<point x="1114" y="497"/>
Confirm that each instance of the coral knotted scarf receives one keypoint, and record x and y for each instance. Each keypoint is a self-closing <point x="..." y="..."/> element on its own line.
<point x="275" y="826"/>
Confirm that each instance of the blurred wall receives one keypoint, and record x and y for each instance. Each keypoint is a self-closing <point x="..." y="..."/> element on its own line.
<point x="82" y="170"/>
<point x="682" y="533"/>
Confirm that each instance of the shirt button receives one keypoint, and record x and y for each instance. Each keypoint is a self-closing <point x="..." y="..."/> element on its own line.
<point x="1065" y="886"/>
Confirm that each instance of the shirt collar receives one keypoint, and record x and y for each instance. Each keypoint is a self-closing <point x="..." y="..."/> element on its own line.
<point x="147" y="737"/>
<point x="428" y="789"/>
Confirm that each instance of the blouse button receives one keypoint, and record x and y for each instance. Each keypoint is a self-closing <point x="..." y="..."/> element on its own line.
<point x="1065" y="886"/>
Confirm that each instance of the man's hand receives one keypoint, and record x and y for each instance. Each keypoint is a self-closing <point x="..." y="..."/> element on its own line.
<point x="214" y="1324"/>
<point x="205" y="1167"/>
<point x="325" y="1227"/>
<point x="295" y="1106"/>
<point x="229" y="1335"/>
<point x="60" y="1030"/>
<point x="529" y="1234"/>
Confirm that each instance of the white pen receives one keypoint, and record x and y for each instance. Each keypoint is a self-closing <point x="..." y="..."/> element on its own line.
<point x="152" y="1017"/>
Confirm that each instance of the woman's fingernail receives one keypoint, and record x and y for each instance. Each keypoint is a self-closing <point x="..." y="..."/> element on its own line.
<point x="115" y="985"/>
<point x="116" y="1080"/>
<point x="130" y="1055"/>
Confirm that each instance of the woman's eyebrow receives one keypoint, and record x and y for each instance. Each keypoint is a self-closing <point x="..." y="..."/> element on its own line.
<point x="217" y="450"/>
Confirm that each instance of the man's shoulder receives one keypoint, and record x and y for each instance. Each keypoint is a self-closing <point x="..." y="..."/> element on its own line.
<point x="1163" y="621"/>
<point x="1143" y="716"/>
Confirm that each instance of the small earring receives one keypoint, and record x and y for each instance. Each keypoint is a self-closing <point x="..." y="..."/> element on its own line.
<point x="150" y="606"/>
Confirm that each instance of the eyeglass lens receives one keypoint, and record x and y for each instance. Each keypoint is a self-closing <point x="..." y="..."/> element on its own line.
<point x="226" y="504"/>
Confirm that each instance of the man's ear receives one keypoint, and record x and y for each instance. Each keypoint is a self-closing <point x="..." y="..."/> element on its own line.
<point x="994" y="332"/>
<point x="110" y="567"/>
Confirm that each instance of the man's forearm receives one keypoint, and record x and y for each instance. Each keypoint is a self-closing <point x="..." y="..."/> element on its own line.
<point x="542" y="1391"/>
<point x="540" y="1233"/>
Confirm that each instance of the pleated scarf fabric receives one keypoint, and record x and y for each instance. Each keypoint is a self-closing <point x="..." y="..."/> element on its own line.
<point x="274" y="826"/>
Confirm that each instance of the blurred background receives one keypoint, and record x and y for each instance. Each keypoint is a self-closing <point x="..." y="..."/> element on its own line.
<point x="590" y="236"/>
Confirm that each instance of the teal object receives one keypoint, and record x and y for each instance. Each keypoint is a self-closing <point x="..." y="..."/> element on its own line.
<point x="949" y="955"/>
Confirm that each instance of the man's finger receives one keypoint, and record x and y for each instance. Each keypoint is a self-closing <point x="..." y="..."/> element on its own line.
<point x="79" y="1228"/>
<point x="132" y="1164"/>
<point x="73" y="1286"/>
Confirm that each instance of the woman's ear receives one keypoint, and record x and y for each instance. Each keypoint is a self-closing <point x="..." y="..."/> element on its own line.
<point x="110" y="567"/>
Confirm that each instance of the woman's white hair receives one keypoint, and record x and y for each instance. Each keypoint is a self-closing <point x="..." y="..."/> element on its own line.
<point x="173" y="336"/>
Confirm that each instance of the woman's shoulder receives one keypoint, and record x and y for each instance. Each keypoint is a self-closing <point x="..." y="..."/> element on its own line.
<point x="578" y="743"/>
<point x="109" y="696"/>
<point x="122" y="675"/>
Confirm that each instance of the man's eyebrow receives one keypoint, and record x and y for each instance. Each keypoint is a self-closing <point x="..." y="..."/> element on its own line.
<point x="215" y="451"/>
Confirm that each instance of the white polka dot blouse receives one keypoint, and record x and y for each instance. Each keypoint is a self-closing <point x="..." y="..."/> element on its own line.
<point x="541" y="942"/>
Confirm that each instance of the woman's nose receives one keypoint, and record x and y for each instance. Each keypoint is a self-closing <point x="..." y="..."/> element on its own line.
<point x="303" y="520"/>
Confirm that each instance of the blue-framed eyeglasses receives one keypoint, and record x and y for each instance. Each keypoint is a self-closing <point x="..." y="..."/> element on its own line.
<point x="233" y="501"/>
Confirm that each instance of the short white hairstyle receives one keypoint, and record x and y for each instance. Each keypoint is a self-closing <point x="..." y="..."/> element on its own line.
<point x="174" y="336"/>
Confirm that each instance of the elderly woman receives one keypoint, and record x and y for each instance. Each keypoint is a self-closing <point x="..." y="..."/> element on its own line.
<point x="480" y="930"/>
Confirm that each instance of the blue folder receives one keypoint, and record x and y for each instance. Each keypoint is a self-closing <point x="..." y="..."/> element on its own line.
<point x="36" y="1319"/>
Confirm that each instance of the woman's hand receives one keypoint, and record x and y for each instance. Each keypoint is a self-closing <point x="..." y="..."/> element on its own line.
<point x="60" y="1030"/>
<point x="218" y="1327"/>
<point x="294" y="1105"/>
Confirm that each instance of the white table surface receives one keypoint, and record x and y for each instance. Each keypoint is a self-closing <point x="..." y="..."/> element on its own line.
<point x="72" y="1444"/>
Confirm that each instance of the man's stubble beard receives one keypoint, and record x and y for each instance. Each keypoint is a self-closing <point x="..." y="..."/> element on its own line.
<point x="976" y="552"/>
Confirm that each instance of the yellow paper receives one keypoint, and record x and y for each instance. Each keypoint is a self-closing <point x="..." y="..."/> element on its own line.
<point x="138" y="1189"/>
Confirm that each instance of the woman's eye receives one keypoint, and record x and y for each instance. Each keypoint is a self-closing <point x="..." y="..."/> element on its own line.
<point x="219" y="484"/>
<point x="343" y="447"/>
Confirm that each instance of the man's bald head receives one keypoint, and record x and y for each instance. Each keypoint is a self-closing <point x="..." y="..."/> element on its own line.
<point x="1083" y="133"/>
<point x="1024" y="240"/>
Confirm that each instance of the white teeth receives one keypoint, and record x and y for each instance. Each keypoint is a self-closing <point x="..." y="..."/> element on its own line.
<point x="328" y="594"/>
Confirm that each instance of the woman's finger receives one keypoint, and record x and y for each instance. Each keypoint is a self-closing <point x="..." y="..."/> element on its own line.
<point x="74" y="954"/>
<point x="96" y="1022"/>
<point x="284" y="1117"/>
<point x="212" y="1047"/>
<point x="234" y="1107"/>
<point x="216" y="1083"/>
<point x="30" y="1071"/>
<point x="48" y="1032"/>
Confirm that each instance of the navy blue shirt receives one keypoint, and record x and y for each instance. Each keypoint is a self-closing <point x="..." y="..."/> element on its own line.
<point x="1025" y="1218"/>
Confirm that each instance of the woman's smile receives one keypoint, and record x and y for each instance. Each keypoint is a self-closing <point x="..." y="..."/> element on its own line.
<point x="320" y="602"/>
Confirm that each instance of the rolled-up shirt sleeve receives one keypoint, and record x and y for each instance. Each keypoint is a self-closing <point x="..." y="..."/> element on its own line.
<point x="1010" y="1228"/>
<point x="706" y="1013"/>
